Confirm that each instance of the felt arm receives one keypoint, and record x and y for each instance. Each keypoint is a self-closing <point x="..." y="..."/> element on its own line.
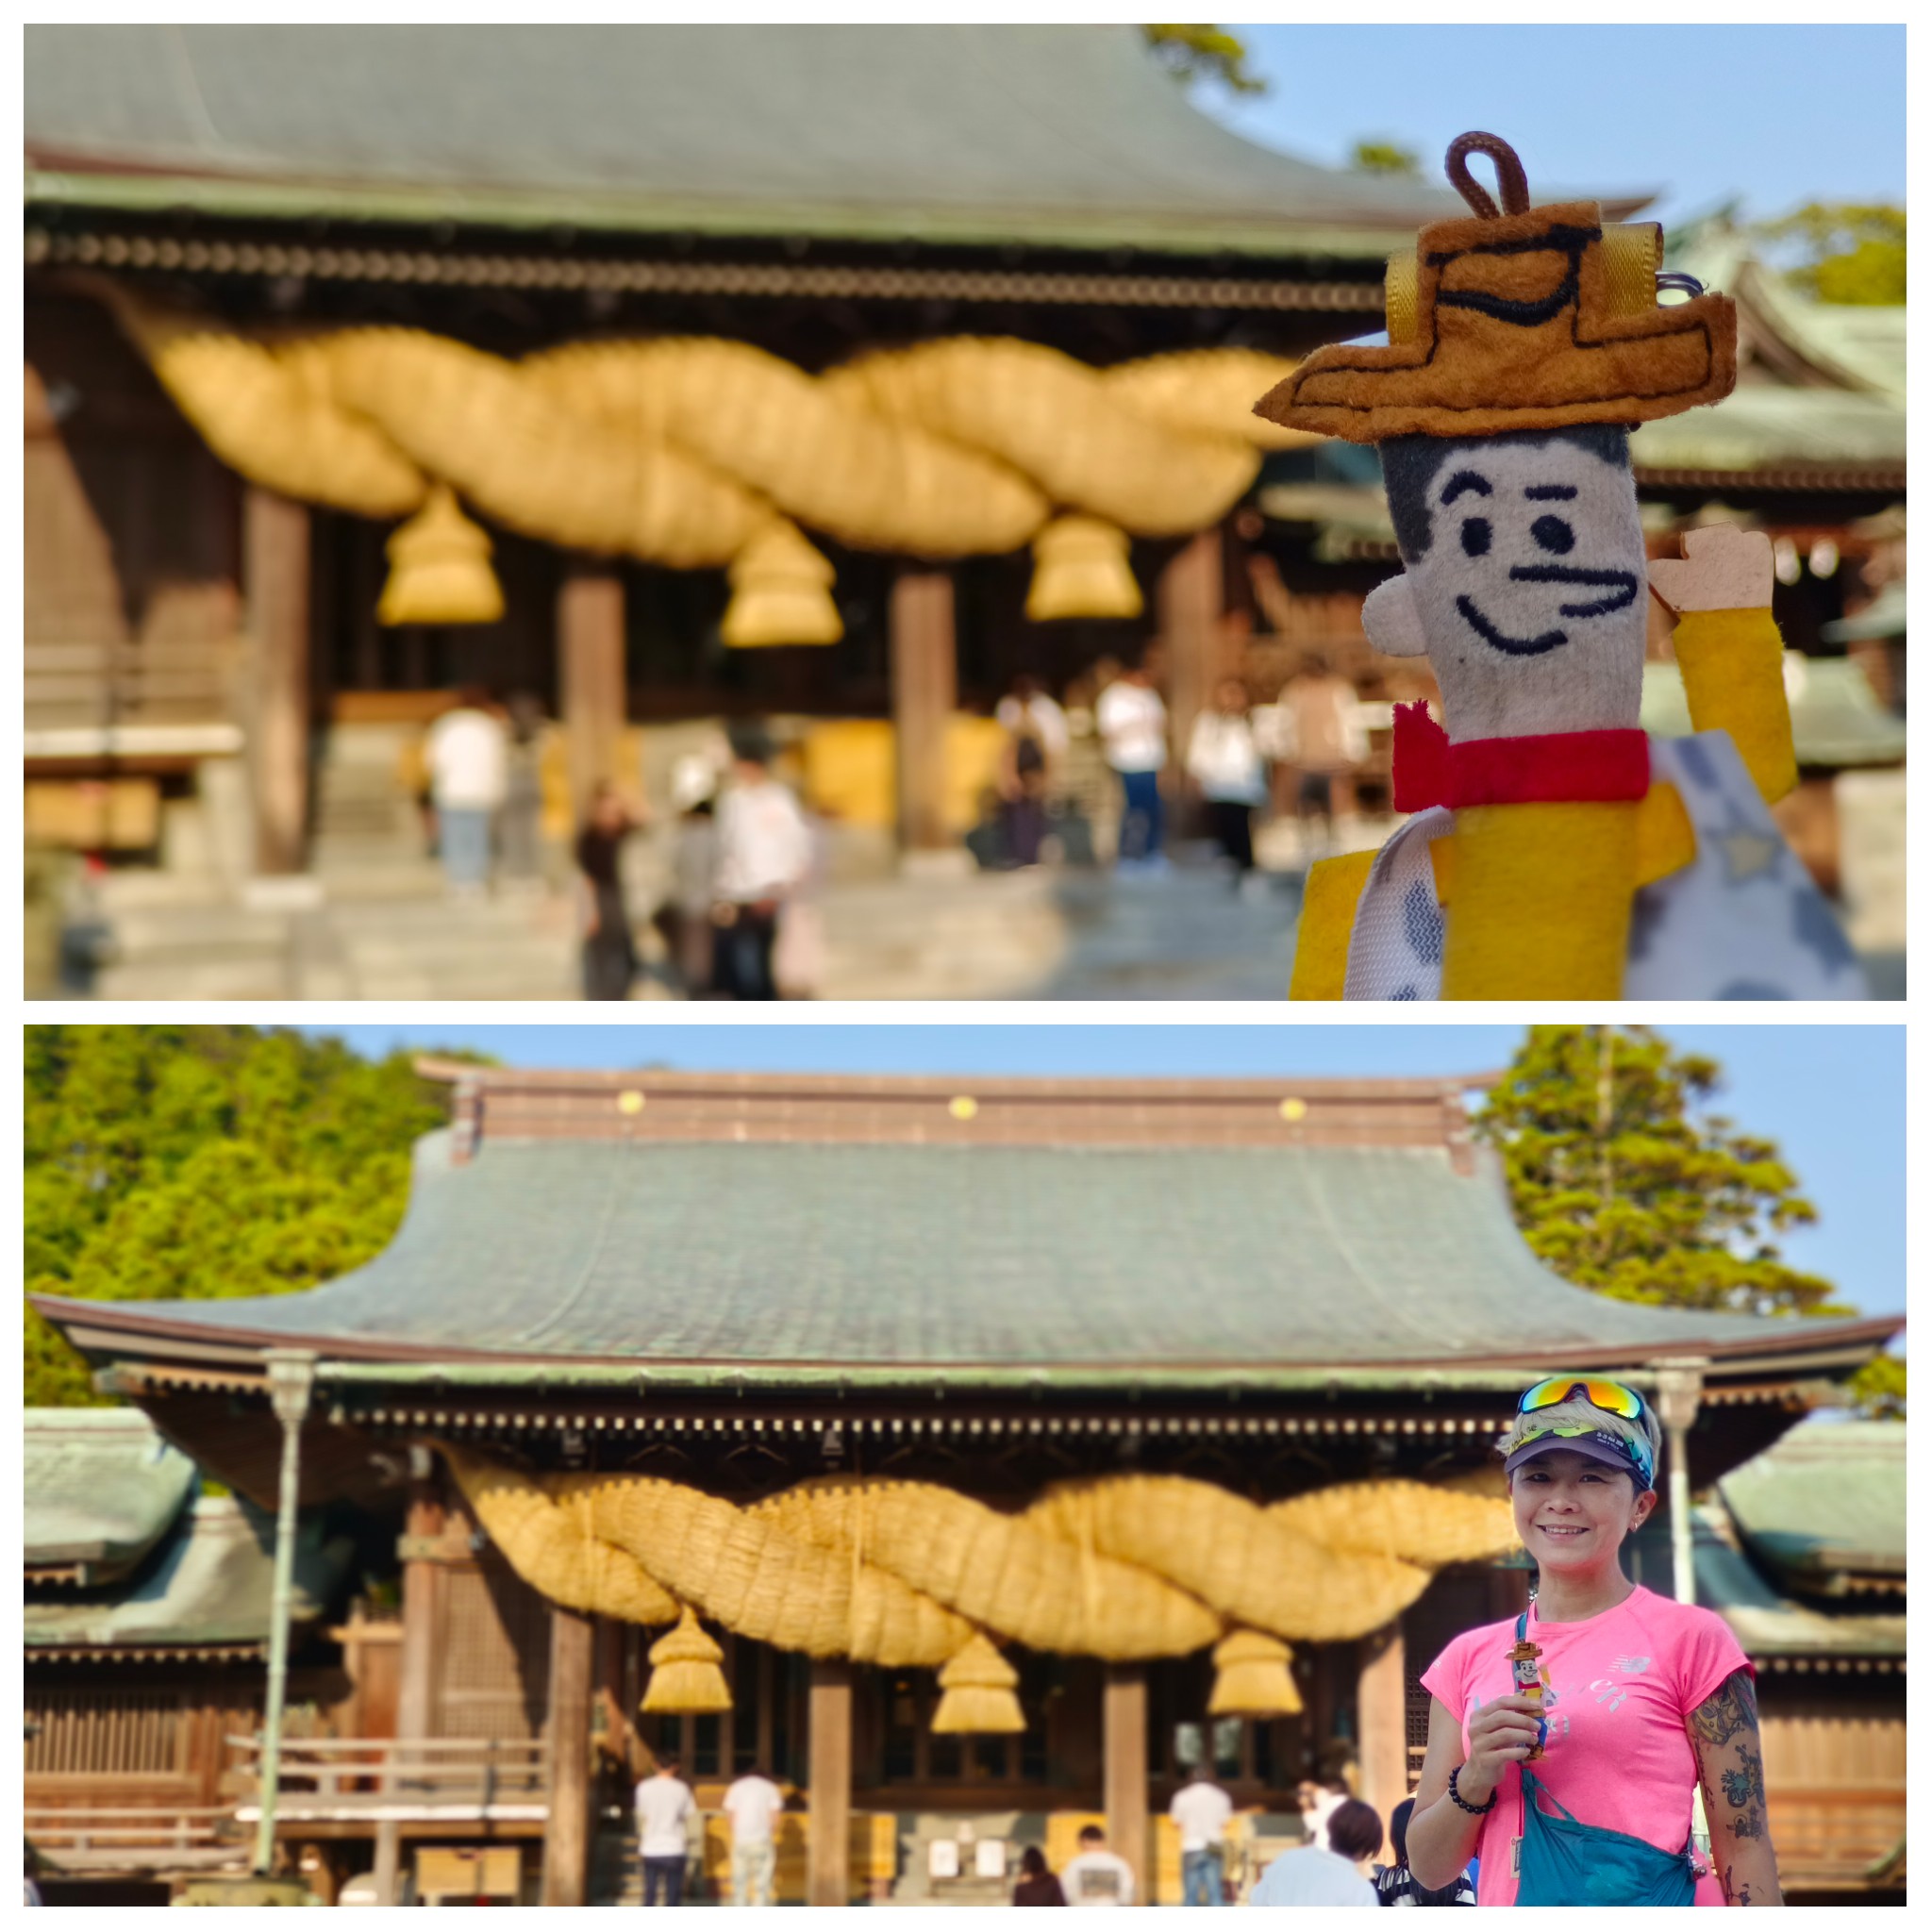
<point x="1733" y="667"/>
<point x="1327" y="920"/>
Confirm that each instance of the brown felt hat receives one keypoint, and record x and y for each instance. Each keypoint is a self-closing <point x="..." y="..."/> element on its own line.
<point x="1519" y="317"/>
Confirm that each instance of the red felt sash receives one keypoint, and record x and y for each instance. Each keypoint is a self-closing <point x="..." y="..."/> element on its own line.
<point x="1558" y="768"/>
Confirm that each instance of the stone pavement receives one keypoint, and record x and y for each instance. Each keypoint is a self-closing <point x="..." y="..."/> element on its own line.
<point x="939" y="934"/>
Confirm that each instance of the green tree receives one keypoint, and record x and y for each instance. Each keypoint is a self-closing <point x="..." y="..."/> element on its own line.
<point x="1384" y="158"/>
<point x="200" y="1163"/>
<point x="1878" y="1389"/>
<point x="1842" y="251"/>
<point x="1204" y="53"/>
<point x="1624" y="1182"/>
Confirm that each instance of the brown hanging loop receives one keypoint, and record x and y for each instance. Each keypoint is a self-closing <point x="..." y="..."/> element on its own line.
<point x="1510" y="178"/>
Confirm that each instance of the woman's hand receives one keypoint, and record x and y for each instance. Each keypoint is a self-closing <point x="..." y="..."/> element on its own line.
<point x="1500" y="1733"/>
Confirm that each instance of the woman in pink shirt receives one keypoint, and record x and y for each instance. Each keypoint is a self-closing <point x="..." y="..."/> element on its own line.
<point x="1636" y="1699"/>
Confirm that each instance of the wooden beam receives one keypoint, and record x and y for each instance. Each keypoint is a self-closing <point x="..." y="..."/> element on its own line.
<point x="589" y="631"/>
<point x="1187" y="600"/>
<point x="275" y="576"/>
<point x="829" y="1847"/>
<point x="1123" y="1741"/>
<point x="925" y="684"/>
<point x="1381" y="1708"/>
<point x="567" y="1831"/>
<point x="419" y="1666"/>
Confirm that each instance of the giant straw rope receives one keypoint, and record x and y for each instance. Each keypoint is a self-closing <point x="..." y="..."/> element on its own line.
<point x="684" y="451"/>
<point x="1125" y="1568"/>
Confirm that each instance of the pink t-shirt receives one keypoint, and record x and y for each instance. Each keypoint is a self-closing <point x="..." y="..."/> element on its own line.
<point x="1618" y="1688"/>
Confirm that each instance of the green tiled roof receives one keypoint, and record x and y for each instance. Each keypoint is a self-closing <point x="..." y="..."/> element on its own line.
<point x="213" y="1583"/>
<point x="1052" y="136"/>
<point x="100" y="1489"/>
<point x="1884" y="617"/>
<point x="1770" y="1624"/>
<point x="891" y="1257"/>
<point x="1758" y="426"/>
<point x="1826" y="1500"/>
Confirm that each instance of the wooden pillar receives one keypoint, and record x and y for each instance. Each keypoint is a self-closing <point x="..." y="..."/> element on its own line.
<point x="829" y="1849"/>
<point x="274" y="570"/>
<point x="567" y="1830"/>
<point x="589" y="632"/>
<point x="418" y="1670"/>
<point x="1188" y="601"/>
<point x="1123" y="1741"/>
<point x="925" y="689"/>
<point x="1381" y="1707"/>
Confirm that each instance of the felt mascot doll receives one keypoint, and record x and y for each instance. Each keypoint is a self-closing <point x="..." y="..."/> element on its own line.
<point x="1554" y="850"/>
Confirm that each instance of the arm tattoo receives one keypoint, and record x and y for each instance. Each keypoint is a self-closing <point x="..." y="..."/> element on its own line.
<point x="1744" y="1793"/>
<point x="1739" y="1896"/>
<point x="1730" y="1709"/>
<point x="1729" y="1715"/>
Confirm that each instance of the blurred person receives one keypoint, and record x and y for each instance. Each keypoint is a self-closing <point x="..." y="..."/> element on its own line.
<point x="1330" y="1874"/>
<point x="1097" y="1877"/>
<point x="1318" y="1802"/>
<point x="1396" y="1884"/>
<point x="1583" y="1796"/>
<point x="1321" y="718"/>
<point x="610" y="950"/>
<point x="1200" y="1811"/>
<point x="1036" y="1885"/>
<point x="33" y="1896"/>
<point x="520" y="825"/>
<point x="1028" y="709"/>
<point x="663" y="1801"/>
<point x="468" y="761"/>
<point x="1132" y="723"/>
<point x="1225" y="762"/>
<point x="754" y="1805"/>
<point x="684" y="919"/>
<point x="1027" y="764"/>
<point x="764" y="854"/>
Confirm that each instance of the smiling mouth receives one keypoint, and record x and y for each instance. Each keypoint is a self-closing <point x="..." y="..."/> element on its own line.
<point x="1620" y="585"/>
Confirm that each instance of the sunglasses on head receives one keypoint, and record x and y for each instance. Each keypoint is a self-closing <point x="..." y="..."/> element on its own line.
<point x="1612" y="1397"/>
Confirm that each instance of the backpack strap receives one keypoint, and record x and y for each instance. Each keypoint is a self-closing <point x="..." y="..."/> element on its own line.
<point x="1533" y="1792"/>
<point x="1522" y="1626"/>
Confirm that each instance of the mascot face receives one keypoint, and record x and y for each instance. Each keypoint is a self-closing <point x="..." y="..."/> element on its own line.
<point x="1525" y="583"/>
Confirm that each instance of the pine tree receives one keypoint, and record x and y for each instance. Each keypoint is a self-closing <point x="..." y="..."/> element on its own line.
<point x="1624" y="1182"/>
<point x="200" y="1163"/>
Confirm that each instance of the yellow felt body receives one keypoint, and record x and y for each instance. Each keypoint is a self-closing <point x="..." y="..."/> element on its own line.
<point x="1541" y="903"/>
<point x="1321" y="946"/>
<point x="1732" y="663"/>
<point x="1665" y="842"/>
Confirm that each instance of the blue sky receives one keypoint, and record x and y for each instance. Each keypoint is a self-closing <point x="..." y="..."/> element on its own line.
<point x="1779" y="115"/>
<point x="1833" y="1097"/>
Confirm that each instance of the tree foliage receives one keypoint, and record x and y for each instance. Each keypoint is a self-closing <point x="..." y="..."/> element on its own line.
<point x="1624" y="1182"/>
<point x="1384" y="158"/>
<point x="1842" y="251"/>
<point x="201" y="1163"/>
<point x="1204" y="53"/>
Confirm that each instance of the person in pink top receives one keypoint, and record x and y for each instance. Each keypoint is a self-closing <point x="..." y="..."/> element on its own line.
<point x="1568" y="1767"/>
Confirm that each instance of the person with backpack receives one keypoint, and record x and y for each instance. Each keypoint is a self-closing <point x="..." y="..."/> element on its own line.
<point x="1565" y="1743"/>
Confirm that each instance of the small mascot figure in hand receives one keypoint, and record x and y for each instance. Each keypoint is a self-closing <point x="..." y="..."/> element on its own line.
<point x="1555" y="851"/>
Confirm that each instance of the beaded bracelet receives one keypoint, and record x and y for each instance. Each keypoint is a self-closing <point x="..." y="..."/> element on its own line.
<point x="1474" y="1811"/>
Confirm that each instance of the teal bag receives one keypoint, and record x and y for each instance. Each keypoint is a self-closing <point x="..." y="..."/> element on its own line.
<point x="1562" y="1862"/>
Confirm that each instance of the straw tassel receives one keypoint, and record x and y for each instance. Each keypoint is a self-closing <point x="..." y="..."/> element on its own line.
<point x="685" y="1674"/>
<point x="439" y="569"/>
<point x="1080" y="569"/>
<point x="1252" y="1678"/>
<point x="978" y="1684"/>
<point x="781" y="593"/>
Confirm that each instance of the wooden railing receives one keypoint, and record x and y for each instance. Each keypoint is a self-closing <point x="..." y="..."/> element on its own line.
<point x="103" y="1839"/>
<point x="1833" y="1837"/>
<point x="445" y="1779"/>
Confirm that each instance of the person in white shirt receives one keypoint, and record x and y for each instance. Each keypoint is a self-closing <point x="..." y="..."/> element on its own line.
<point x="753" y="1805"/>
<point x="1330" y="1874"/>
<point x="1200" y="1810"/>
<point x="1132" y="721"/>
<point x="663" y="1803"/>
<point x="765" y="852"/>
<point x="1225" y="762"/>
<point x="468" y="756"/>
<point x="1097" y="1877"/>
